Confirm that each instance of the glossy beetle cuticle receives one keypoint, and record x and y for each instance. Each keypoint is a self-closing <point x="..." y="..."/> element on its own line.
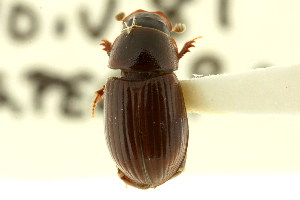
<point x="146" y="124"/>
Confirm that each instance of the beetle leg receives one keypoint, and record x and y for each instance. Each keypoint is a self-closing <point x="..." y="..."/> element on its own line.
<point x="98" y="98"/>
<point x="186" y="47"/>
<point x="107" y="46"/>
<point x="128" y="181"/>
<point x="180" y="169"/>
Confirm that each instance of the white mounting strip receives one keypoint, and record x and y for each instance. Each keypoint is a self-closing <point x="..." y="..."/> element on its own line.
<point x="271" y="91"/>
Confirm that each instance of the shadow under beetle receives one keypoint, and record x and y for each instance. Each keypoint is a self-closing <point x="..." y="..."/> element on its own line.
<point x="146" y="125"/>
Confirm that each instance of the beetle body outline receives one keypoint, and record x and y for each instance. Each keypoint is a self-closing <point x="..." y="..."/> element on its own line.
<point x="146" y="124"/>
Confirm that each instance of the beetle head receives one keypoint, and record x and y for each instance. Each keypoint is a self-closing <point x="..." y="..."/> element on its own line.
<point x="145" y="43"/>
<point x="141" y="18"/>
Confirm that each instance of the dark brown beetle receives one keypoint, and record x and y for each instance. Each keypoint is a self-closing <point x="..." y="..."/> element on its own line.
<point x="145" y="117"/>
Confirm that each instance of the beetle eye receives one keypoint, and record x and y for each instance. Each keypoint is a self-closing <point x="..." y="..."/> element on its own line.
<point x="179" y="28"/>
<point x="120" y="16"/>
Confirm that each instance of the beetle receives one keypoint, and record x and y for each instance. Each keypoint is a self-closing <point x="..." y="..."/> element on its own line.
<point x="146" y="124"/>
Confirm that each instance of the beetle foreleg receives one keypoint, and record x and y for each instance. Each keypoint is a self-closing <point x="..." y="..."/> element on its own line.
<point x="107" y="46"/>
<point x="186" y="47"/>
<point x="98" y="98"/>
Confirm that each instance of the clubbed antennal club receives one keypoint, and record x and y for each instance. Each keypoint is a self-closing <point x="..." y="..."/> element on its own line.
<point x="179" y="28"/>
<point x="120" y="16"/>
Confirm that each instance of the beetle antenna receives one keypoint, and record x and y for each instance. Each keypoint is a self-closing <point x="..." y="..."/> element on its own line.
<point x="179" y="28"/>
<point x="120" y="16"/>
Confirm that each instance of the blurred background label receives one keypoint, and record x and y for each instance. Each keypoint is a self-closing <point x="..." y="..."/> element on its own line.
<point x="52" y="63"/>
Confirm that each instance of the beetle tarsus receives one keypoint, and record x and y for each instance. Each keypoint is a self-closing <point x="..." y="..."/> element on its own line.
<point x="107" y="46"/>
<point x="186" y="47"/>
<point x="98" y="98"/>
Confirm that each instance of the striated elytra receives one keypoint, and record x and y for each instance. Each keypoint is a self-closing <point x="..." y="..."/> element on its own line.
<point x="146" y="125"/>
